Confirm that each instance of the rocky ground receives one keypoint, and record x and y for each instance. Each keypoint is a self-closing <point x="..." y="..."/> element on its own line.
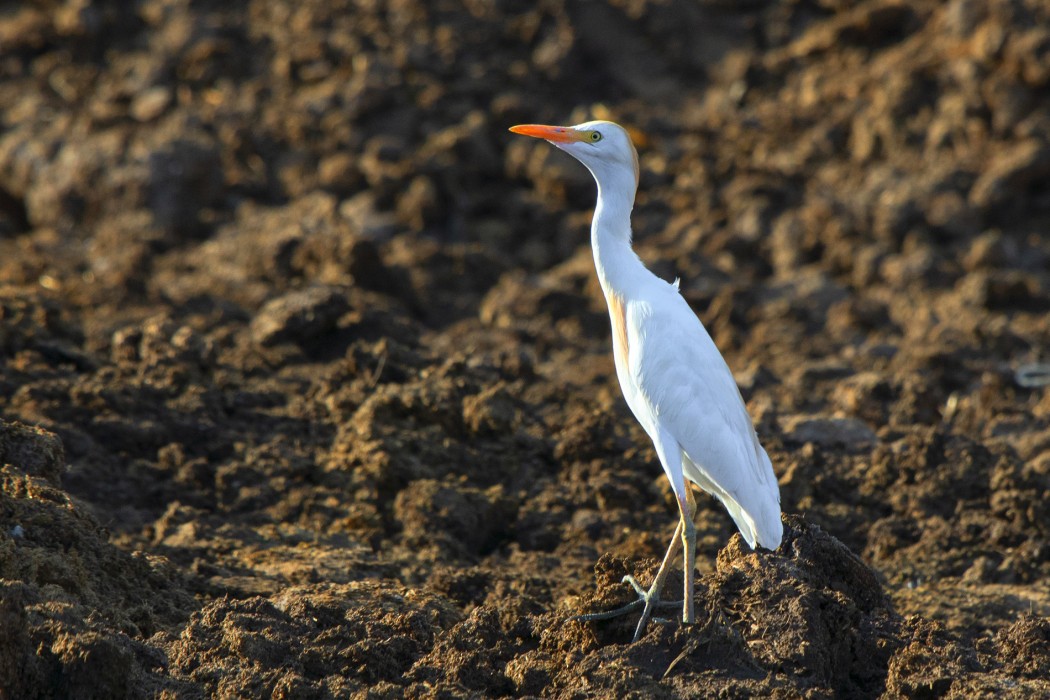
<point x="305" y="378"/>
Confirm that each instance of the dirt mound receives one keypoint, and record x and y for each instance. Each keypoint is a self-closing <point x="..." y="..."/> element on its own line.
<point x="77" y="610"/>
<point x="305" y="376"/>
<point x="313" y="642"/>
<point x="810" y="616"/>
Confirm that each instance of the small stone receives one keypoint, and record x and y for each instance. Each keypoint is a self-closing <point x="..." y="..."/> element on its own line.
<point x="1000" y="289"/>
<point x="827" y="431"/>
<point x="299" y="316"/>
<point x="338" y="173"/>
<point x="419" y="205"/>
<point x="150" y="104"/>
<point x="981" y="571"/>
<point x="366" y="220"/>
<point x="1010" y="173"/>
<point x="949" y="212"/>
<point x="986" y="251"/>
<point x="961" y="17"/>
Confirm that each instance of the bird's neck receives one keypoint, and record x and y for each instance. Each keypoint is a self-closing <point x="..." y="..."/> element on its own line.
<point x="619" y="268"/>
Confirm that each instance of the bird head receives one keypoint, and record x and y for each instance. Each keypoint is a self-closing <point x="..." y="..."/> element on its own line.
<point x="603" y="147"/>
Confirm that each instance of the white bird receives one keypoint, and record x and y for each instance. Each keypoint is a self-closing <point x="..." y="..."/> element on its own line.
<point x="672" y="375"/>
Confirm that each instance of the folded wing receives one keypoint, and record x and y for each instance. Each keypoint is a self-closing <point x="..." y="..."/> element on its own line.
<point x="690" y="391"/>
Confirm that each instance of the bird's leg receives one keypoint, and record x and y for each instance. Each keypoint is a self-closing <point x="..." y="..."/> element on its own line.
<point x="689" y="555"/>
<point x="647" y="600"/>
<point x="652" y="596"/>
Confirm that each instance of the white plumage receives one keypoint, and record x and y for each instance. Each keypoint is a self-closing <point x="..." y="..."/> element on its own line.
<point x="680" y="389"/>
<point x="673" y="377"/>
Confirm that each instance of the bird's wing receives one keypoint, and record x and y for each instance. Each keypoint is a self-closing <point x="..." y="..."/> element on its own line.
<point x="691" y="393"/>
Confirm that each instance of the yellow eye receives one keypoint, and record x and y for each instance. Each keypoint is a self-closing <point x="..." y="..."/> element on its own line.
<point x="595" y="137"/>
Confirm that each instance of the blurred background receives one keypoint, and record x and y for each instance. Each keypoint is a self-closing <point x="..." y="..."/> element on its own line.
<point x="306" y="381"/>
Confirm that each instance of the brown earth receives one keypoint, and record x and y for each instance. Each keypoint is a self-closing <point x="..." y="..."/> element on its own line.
<point x="306" y="387"/>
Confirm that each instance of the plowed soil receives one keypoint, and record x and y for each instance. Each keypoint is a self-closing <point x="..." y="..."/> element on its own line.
<point x="305" y="377"/>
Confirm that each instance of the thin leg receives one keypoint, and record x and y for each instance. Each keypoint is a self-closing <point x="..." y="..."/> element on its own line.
<point x="647" y="600"/>
<point x="652" y="597"/>
<point x="689" y="555"/>
<point x="670" y="454"/>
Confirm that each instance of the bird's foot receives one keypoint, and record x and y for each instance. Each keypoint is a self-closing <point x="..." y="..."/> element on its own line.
<point x="648" y="600"/>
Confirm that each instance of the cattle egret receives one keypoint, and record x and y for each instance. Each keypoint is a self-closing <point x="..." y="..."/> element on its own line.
<point x="674" y="379"/>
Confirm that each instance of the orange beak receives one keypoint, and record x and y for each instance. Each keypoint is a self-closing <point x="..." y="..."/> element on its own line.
<point x="554" y="134"/>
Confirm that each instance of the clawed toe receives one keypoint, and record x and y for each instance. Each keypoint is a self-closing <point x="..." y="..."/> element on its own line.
<point x="642" y="593"/>
<point x="610" y="614"/>
<point x="648" y="600"/>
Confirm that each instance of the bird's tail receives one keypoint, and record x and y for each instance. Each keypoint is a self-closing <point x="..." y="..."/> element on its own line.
<point x="759" y="521"/>
<point x="759" y="526"/>
<point x="755" y="512"/>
